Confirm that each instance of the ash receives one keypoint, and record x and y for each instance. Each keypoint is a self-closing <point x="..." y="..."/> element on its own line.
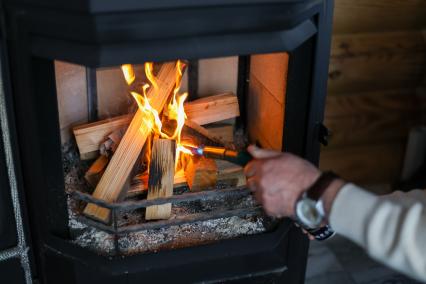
<point x="146" y="241"/>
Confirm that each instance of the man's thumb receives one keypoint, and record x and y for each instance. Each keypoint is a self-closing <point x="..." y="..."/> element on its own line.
<point x="259" y="153"/>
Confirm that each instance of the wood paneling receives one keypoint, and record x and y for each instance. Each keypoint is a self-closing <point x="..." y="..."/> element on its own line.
<point x="376" y="61"/>
<point x="266" y="99"/>
<point x="265" y="117"/>
<point x="378" y="15"/>
<point x="366" y="163"/>
<point x="373" y="117"/>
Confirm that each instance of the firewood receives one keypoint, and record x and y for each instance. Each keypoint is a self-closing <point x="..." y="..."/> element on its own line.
<point x="230" y="174"/>
<point x="94" y="173"/>
<point x="139" y="183"/>
<point x="109" y="146"/>
<point x="222" y="132"/>
<point x="161" y="176"/>
<point x="201" y="173"/>
<point x="90" y="136"/>
<point x="117" y="172"/>
<point x="211" y="109"/>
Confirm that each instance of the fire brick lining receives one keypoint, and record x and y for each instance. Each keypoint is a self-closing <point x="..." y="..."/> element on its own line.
<point x="21" y="250"/>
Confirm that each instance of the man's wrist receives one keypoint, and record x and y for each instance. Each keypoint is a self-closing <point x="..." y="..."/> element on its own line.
<point x="330" y="194"/>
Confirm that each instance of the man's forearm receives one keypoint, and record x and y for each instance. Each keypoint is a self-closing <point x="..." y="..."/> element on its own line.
<point x="392" y="232"/>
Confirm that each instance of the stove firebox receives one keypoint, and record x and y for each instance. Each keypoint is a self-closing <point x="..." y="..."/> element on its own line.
<point x="94" y="181"/>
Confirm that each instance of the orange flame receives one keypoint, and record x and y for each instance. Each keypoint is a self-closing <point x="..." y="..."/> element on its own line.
<point x="175" y="107"/>
<point x="129" y="73"/>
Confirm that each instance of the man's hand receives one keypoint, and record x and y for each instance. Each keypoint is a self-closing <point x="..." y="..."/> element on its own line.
<point x="278" y="179"/>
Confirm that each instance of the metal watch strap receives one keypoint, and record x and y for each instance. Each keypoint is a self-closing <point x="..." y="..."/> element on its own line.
<point x="316" y="190"/>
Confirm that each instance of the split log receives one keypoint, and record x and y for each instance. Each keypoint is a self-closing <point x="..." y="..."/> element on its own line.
<point x="201" y="173"/>
<point x="113" y="180"/>
<point x="211" y="109"/>
<point x="139" y="184"/>
<point x="90" y="136"/>
<point x="161" y="176"/>
<point x="96" y="170"/>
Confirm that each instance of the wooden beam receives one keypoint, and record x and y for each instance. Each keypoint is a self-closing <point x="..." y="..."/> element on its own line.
<point x="113" y="180"/>
<point x="213" y="108"/>
<point x="201" y="173"/>
<point x="378" y="15"/>
<point x="161" y="177"/>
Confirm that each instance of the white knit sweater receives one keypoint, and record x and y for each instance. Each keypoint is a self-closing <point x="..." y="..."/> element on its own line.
<point x="392" y="228"/>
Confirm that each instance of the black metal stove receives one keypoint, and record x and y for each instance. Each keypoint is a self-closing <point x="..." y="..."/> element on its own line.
<point x="99" y="33"/>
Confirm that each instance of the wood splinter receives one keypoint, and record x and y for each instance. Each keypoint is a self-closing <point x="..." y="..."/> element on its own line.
<point x="161" y="177"/>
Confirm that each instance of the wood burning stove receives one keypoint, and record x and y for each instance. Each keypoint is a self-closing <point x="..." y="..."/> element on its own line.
<point x="57" y="61"/>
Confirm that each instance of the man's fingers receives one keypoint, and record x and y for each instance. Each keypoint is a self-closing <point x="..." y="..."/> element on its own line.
<point x="259" y="153"/>
<point x="250" y="169"/>
<point x="251" y="184"/>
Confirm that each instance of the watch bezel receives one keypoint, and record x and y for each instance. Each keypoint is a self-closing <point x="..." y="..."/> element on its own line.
<point x="312" y="220"/>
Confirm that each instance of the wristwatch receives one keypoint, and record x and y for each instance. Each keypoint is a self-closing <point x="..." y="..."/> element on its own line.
<point x="309" y="208"/>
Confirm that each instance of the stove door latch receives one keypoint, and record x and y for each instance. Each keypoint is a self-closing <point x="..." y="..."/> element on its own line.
<point x="323" y="134"/>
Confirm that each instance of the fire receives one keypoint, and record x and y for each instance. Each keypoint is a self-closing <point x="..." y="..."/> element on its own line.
<point x="175" y="108"/>
<point x="129" y="74"/>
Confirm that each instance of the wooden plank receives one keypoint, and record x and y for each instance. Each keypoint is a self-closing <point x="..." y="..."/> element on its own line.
<point x="161" y="177"/>
<point x="213" y="108"/>
<point x="376" y="61"/>
<point x="271" y="70"/>
<point x="375" y="163"/>
<point x="96" y="170"/>
<point x="201" y="173"/>
<point x="90" y="136"/>
<point x="378" y="15"/>
<point x="372" y="117"/>
<point x="111" y="184"/>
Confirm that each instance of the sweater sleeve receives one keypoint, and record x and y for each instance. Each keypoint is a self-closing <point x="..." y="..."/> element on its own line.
<point x="392" y="228"/>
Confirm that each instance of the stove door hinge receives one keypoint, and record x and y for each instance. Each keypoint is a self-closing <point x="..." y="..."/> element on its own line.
<point x="323" y="134"/>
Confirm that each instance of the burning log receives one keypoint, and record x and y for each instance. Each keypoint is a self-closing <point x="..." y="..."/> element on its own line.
<point x="116" y="174"/>
<point x="96" y="170"/>
<point x="211" y="109"/>
<point x="139" y="183"/>
<point x="201" y="173"/>
<point x="161" y="177"/>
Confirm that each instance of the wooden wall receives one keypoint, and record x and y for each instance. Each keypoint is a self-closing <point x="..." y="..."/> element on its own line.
<point x="376" y="79"/>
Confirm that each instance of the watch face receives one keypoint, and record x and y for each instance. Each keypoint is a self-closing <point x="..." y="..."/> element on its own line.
<point x="308" y="213"/>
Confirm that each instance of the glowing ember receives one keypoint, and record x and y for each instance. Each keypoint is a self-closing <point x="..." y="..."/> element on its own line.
<point x="175" y="108"/>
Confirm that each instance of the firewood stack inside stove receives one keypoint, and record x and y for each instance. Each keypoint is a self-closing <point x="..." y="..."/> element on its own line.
<point x="140" y="160"/>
